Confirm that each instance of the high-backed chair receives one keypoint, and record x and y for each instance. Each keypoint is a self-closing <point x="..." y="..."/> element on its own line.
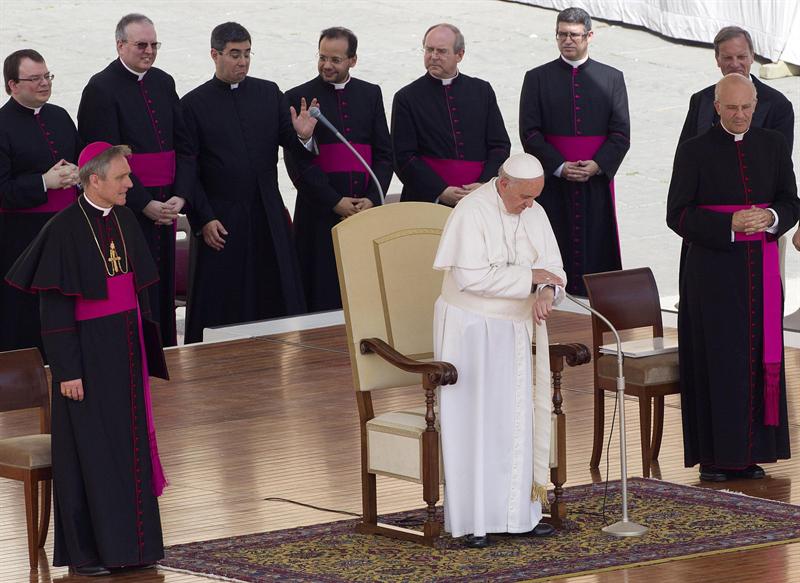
<point x="629" y="299"/>
<point x="23" y="385"/>
<point x="384" y="257"/>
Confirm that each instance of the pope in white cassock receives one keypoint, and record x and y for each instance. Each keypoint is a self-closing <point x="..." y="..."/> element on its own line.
<point x="502" y="273"/>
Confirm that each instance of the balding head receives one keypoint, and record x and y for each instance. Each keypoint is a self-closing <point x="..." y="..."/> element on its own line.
<point x="735" y="101"/>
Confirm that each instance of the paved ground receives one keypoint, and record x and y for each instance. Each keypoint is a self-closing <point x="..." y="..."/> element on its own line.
<point x="503" y="41"/>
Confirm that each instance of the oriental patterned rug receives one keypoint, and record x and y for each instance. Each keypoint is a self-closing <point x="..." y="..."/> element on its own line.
<point x="684" y="522"/>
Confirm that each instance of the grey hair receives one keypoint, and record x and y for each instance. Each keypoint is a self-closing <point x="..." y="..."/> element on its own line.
<point x="734" y="77"/>
<point x="729" y="33"/>
<point x="99" y="164"/>
<point x="575" y="16"/>
<point x="458" y="45"/>
<point x="120" y="33"/>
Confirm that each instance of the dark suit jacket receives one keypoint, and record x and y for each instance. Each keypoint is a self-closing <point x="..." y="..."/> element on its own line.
<point x="773" y="112"/>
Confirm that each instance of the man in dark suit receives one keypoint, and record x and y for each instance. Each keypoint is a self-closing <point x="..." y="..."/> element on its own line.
<point x="733" y="50"/>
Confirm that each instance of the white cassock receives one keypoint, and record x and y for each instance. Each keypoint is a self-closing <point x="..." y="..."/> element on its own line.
<point x="495" y="424"/>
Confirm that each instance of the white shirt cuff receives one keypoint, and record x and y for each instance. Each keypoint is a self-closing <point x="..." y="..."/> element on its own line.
<point x="773" y="230"/>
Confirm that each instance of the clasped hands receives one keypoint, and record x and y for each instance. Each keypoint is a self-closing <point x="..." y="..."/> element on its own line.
<point x="452" y="194"/>
<point x="63" y="174"/>
<point x="164" y="213"/>
<point x="752" y="220"/>
<point x="580" y="171"/>
<point x="350" y="205"/>
<point x="543" y="304"/>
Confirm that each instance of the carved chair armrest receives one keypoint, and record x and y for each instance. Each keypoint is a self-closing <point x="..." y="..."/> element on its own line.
<point x="574" y="353"/>
<point x="437" y="373"/>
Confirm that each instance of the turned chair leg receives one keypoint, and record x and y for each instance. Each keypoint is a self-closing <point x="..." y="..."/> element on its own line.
<point x="658" y="427"/>
<point x="599" y="427"/>
<point x="644" y="430"/>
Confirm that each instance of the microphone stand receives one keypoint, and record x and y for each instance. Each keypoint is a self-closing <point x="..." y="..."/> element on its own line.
<point x="317" y="114"/>
<point x="623" y="527"/>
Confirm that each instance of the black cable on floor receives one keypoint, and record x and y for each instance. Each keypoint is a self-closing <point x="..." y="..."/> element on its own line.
<point x="288" y="501"/>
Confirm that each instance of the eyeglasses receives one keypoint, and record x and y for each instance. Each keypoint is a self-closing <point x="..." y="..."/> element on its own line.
<point x="236" y="55"/>
<point x="333" y="60"/>
<point x="576" y="36"/>
<point x="39" y="78"/>
<point x="142" y="46"/>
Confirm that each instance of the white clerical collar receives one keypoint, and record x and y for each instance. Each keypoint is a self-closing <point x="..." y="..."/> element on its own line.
<point x="446" y="82"/>
<point x="139" y="76"/>
<point x="105" y="211"/>
<point x="575" y="64"/>
<point x="736" y="137"/>
<point x="339" y="86"/>
<point x="234" y="86"/>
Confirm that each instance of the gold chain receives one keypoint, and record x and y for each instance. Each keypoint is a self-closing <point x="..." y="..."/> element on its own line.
<point x="96" y="242"/>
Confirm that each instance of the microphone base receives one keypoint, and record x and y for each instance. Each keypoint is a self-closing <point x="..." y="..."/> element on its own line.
<point x="625" y="529"/>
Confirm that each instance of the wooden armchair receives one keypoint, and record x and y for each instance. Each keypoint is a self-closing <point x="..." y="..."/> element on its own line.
<point x="384" y="258"/>
<point x="23" y="385"/>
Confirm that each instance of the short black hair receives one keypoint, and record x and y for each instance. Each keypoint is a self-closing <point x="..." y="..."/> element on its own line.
<point x="12" y="63"/>
<point x="341" y="32"/>
<point x="575" y="16"/>
<point x="228" y="32"/>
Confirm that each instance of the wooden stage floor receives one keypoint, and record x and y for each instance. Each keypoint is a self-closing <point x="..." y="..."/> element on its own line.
<point x="275" y="417"/>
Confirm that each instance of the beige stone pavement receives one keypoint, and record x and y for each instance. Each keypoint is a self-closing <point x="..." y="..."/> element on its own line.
<point x="503" y="41"/>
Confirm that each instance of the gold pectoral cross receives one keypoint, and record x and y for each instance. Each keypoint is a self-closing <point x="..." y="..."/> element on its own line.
<point x="114" y="259"/>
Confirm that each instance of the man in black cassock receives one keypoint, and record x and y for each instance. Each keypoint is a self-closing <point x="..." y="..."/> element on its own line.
<point x="244" y="264"/>
<point x="447" y="130"/>
<point x="132" y="102"/>
<point x="38" y="150"/>
<point x="91" y="267"/>
<point x="732" y="194"/>
<point x="573" y="116"/>
<point x="355" y="108"/>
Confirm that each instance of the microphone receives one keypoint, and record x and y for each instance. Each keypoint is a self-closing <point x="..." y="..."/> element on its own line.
<point x="624" y="527"/>
<point x="317" y="115"/>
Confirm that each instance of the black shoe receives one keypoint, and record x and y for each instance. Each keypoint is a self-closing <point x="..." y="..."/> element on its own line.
<point x="753" y="472"/>
<point x="476" y="542"/>
<point x="541" y="529"/>
<point x="712" y="474"/>
<point x="90" y="571"/>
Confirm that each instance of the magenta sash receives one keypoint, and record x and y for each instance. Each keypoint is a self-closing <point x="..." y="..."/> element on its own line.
<point x="57" y="200"/>
<point x="456" y="172"/>
<point x="575" y="148"/>
<point x="156" y="169"/>
<point x="121" y="298"/>
<point x="339" y="158"/>
<point x="773" y="324"/>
